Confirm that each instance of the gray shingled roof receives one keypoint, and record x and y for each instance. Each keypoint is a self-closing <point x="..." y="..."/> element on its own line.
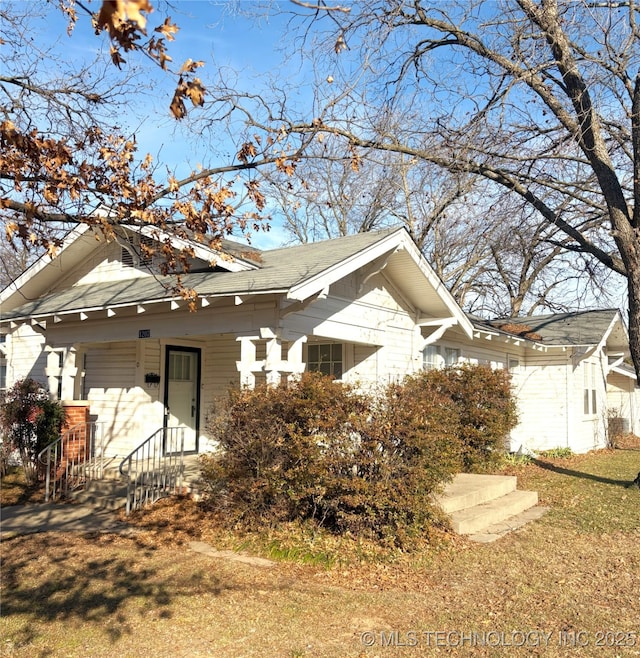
<point x="280" y="270"/>
<point x="579" y="328"/>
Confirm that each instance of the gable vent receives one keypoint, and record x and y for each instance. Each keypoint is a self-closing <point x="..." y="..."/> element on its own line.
<point x="127" y="255"/>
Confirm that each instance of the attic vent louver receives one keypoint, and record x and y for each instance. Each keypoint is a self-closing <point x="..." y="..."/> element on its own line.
<point x="141" y="257"/>
<point x="127" y="257"/>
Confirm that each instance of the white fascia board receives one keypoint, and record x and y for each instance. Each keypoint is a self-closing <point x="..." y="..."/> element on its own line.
<point x="616" y="319"/>
<point x="625" y="372"/>
<point x="517" y="340"/>
<point x="58" y="316"/>
<point x="42" y="262"/>
<point x="428" y="272"/>
<point x="388" y="244"/>
<point x="318" y="282"/>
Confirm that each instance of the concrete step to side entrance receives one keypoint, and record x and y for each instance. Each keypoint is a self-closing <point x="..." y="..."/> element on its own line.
<point x="103" y="494"/>
<point x="469" y="489"/>
<point x="478" y="517"/>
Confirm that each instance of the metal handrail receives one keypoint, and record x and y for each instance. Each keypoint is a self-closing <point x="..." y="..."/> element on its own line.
<point x="155" y="468"/>
<point x="73" y="459"/>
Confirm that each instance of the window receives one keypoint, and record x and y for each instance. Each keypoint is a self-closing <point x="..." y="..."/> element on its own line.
<point x="59" y="356"/>
<point x="590" y="395"/>
<point x="513" y="363"/>
<point x="431" y="357"/>
<point x="180" y="367"/>
<point x="451" y="356"/>
<point x="325" y="358"/>
<point x="436" y="356"/>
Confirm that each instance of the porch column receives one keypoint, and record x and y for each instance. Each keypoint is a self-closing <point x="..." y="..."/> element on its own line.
<point x="273" y="361"/>
<point x="61" y="371"/>
<point x="294" y="358"/>
<point x="248" y="364"/>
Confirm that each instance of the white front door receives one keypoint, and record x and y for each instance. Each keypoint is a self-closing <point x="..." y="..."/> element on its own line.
<point x="182" y="397"/>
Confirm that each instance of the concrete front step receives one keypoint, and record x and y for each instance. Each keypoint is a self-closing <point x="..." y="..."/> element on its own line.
<point x="103" y="494"/>
<point x="476" y="503"/>
<point x="469" y="489"/>
<point x="110" y="492"/>
<point x="479" y="517"/>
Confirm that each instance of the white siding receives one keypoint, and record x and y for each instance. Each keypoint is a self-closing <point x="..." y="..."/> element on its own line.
<point x="623" y="400"/>
<point x="115" y="400"/>
<point x="545" y="403"/>
<point x="25" y="356"/>
<point x="377" y="328"/>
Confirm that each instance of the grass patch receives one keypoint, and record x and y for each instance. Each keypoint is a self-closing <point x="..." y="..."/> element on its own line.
<point x="588" y="492"/>
<point x="14" y="489"/>
<point x="577" y="570"/>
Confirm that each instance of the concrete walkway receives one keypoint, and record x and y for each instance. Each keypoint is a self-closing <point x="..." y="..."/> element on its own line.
<point x="58" y="517"/>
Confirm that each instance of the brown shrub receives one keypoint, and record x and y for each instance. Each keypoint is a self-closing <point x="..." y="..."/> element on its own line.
<point x="319" y="450"/>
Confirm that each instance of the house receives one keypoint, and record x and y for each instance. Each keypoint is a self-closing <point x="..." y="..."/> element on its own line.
<point x="99" y="323"/>
<point x="112" y="339"/>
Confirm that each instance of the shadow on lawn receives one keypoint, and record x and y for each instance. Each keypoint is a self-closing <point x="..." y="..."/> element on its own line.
<point x="49" y="578"/>
<point x="580" y="474"/>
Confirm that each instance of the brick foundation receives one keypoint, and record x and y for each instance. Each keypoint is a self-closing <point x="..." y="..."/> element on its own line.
<point x="76" y="444"/>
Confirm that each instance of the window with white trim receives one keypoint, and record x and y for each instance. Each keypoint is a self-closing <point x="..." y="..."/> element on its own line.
<point x="437" y="356"/>
<point x="325" y="358"/>
<point x="451" y="356"/>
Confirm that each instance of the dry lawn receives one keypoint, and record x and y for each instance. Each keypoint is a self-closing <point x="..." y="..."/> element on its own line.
<point x="571" y="578"/>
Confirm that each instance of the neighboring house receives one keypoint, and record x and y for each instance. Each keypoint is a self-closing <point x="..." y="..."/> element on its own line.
<point x="102" y="327"/>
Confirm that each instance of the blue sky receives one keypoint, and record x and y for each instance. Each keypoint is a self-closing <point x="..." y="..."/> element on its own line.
<point x="225" y="38"/>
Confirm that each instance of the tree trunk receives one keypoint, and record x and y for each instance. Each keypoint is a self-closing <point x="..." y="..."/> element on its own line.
<point x="633" y="278"/>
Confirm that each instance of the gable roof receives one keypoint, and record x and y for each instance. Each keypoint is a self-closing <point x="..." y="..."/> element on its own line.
<point x="589" y="330"/>
<point x="585" y="328"/>
<point x="80" y="242"/>
<point x="299" y="272"/>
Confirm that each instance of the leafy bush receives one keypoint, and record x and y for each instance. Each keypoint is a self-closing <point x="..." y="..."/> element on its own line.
<point x="556" y="453"/>
<point x="322" y="451"/>
<point x="274" y="442"/>
<point x="29" y="421"/>
<point x="404" y="452"/>
<point x="485" y="407"/>
<point x="369" y="465"/>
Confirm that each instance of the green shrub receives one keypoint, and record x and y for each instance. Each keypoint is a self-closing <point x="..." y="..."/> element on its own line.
<point x="556" y="453"/>
<point x="30" y="420"/>
<point x="486" y="410"/>
<point x="515" y="460"/>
